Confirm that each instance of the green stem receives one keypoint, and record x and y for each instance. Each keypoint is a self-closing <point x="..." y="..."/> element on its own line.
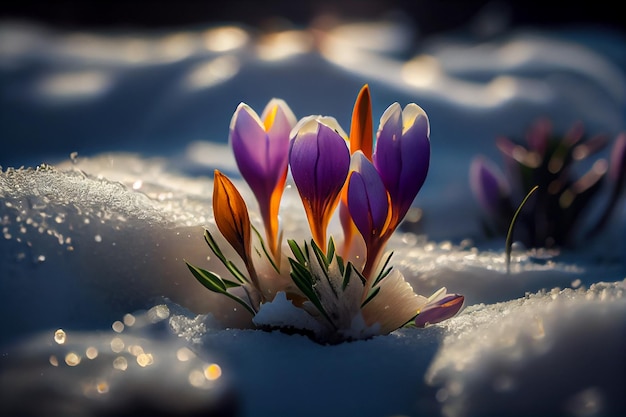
<point x="509" y="235"/>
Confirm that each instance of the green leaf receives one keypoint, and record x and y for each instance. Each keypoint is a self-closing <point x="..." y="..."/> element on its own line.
<point x="373" y="293"/>
<point x="208" y="237"/>
<point x="267" y="255"/>
<point x="209" y="279"/>
<point x="304" y="280"/>
<point x="214" y="283"/>
<point x="231" y="284"/>
<point x="340" y="265"/>
<point x="232" y="268"/>
<point x="384" y="271"/>
<point x="347" y="274"/>
<point x="321" y="258"/>
<point x="330" y="252"/>
<point x="297" y="252"/>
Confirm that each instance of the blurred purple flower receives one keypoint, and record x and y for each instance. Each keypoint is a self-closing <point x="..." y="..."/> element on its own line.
<point x="555" y="216"/>
<point x="617" y="168"/>
<point x="488" y="185"/>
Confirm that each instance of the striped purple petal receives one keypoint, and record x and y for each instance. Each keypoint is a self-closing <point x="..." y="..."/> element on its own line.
<point x="367" y="198"/>
<point x="319" y="160"/>
<point x="261" y="155"/>
<point x="402" y="154"/>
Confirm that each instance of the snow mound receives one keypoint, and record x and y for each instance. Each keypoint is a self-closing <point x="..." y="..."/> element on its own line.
<point x="558" y="352"/>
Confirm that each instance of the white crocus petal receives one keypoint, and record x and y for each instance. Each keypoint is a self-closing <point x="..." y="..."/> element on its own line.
<point x="395" y="305"/>
<point x="392" y="110"/>
<point x="282" y="107"/>
<point x="437" y="295"/>
<point x="305" y="125"/>
<point x="308" y="124"/>
<point x="244" y="107"/>
<point x="410" y="114"/>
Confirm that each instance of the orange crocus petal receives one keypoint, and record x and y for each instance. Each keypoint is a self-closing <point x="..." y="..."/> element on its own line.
<point x="361" y="129"/>
<point x="270" y="219"/>
<point x="231" y="215"/>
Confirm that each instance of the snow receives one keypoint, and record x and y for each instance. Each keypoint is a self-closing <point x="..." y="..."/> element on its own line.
<point x="94" y="244"/>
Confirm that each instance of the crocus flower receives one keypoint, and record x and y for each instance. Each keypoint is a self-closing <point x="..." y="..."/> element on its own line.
<point x="488" y="185"/>
<point x="319" y="160"/>
<point x="232" y="219"/>
<point x="361" y="139"/>
<point x="368" y="202"/>
<point x="440" y="307"/>
<point x="261" y="149"/>
<point x="402" y="155"/>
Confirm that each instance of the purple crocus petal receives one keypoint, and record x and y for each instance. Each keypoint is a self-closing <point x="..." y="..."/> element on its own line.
<point x="386" y="157"/>
<point x="249" y="142"/>
<point x="440" y="310"/>
<point x="282" y="119"/>
<point x="488" y="184"/>
<point x="319" y="160"/>
<point x="402" y="154"/>
<point x="261" y="156"/>
<point x="415" y="152"/>
<point x="367" y="198"/>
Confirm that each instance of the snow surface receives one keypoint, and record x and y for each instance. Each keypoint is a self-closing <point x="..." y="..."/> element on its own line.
<point x="93" y="244"/>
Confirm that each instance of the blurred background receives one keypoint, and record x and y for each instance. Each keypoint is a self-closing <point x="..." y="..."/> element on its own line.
<point x="161" y="78"/>
<point x="430" y="16"/>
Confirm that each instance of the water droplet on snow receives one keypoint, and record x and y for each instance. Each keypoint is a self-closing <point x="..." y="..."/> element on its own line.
<point x="117" y="345"/>
<point x="72" y="359"/>
<point x="120" y="363"/>
<point x="184" y="354"/>
<point x="212" y="372"/>
<point x="53" y="360"/>
<point x="118" y="326"/>
<point x="91" y="352"/>
<point x="145" y="359"/>
<point x="129" y="319"/>
<point x="59" y="336"/>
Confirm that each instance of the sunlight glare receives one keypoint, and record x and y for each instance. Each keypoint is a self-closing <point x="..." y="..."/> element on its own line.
<point x="77" y="84"/>
<point x="225" y="38"/>
<point x="282" y="45"/>
<point x="212" y="72"/>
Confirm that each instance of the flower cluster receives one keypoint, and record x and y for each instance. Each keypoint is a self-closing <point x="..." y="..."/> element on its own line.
<point x="330" y="292"/>
<point x="553" y="216"/>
